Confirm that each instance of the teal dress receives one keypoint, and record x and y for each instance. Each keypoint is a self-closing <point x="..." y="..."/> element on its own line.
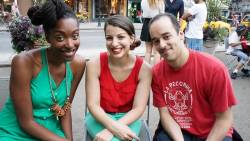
<point x="40" y="92"/>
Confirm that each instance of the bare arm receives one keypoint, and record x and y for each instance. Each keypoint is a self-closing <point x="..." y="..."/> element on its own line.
<point x="221" y="126"/>
<point x="170" y="125"/>
<point x="235" y="44"/>
<point x="93" y="94"/>
<point x="93" y="101"/>
<point x="141" y="96"/>
<point x="185" y="16"/>
<point x="78" y="67"/>
<point x="66" y="122"/>
<point x="181" y="11"/>
<point x="21" y="75"/>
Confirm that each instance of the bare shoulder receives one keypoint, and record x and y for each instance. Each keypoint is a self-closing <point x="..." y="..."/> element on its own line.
<point x="23" y="60"/>
<point x="78" y="64"/>
<point x="146" y="66"/>
<point x="93" y="66"/>
<point x="94" y="62"/>
<point x="26" y="63"/>
<point x="78" y="61"/>
<point x="145" y="70"/>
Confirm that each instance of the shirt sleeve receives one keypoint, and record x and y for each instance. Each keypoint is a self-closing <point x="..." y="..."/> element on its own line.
<point x="158" y="97"/>
<point x="193" y="10"/>
<point x="162" y="8"/>
<point x="221" y="95"/>
<point x="233" y="38"/>
<point x="181" y="10"/>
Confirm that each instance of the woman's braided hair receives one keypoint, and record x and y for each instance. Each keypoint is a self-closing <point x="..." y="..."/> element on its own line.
<point x="49" y="13"/>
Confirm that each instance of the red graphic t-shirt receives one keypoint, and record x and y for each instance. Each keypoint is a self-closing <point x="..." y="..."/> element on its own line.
<point x="194" y="93"/>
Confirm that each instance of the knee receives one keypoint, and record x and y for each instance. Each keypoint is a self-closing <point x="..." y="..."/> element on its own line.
<point x="161" y="136"/>
<point x="243" y="59"/>
<point x="227" y="139"/>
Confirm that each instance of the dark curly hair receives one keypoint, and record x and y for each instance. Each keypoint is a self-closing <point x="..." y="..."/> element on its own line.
<point x="49" y="13"/>
<point x="125" y="24"/>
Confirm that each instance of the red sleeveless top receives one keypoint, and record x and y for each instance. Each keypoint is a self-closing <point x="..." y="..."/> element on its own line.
<point x="117" y="97"/>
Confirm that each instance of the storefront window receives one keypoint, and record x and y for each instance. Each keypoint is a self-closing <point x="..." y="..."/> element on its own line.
<point x="101" y="8"/>
<point x="6" y="5"/>
<point x="105" y="8"/>
<point x="83" y="6"/>
<point x="82" y="11"/>
<point x="134" y="10"/>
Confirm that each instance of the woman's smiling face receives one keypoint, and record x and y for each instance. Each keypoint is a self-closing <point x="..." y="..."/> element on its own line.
<point x="64" y="38"/>
<point x="118" y="41"/>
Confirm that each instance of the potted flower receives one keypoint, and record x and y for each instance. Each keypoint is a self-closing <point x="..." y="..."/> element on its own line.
<point x="215" y="33"/>
<point x="25" y="36"/>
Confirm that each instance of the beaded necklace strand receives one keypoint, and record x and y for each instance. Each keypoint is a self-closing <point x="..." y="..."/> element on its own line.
<point x="56" y="108"/>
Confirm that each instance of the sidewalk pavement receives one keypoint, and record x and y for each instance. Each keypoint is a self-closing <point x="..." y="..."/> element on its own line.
<point x="87" y="26"/>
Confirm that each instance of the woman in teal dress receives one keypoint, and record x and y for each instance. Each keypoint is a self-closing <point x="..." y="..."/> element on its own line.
<point x="43" y="81"/>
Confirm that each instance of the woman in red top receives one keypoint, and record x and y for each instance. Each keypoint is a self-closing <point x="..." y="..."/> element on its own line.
<point x="117" y="85"/>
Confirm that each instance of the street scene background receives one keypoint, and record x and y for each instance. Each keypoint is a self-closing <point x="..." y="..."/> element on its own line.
<point x="92" y="43"/>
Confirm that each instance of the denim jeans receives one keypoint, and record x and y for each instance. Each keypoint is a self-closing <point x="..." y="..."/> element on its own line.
<point x="195" y="44"/>
<point x="243" y="57"/>
<point x="161" y="135"/>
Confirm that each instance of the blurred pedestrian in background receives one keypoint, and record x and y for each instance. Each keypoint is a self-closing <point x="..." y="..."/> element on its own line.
<point x="236" y="48"/>
<point x="196" y="17"/>
<point x="150" y="8"/>
<point x="175" y="7"/>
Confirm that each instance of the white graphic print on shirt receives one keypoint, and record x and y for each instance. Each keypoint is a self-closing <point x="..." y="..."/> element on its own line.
<point x="178" y="97"/>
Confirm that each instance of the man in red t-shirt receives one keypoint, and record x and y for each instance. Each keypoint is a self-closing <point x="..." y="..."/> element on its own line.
<point x="192" y="90"/>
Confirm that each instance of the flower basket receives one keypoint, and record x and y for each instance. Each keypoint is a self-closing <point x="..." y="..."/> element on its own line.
<point x="211" y="43"/>
<point x="24" y="35"/>
<point x="216" y="30"/>
<point x="215" y="33"/>
<point x="210" y="46"/>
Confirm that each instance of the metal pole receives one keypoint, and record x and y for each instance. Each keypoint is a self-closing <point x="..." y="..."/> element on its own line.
<point x="99" y="21"/>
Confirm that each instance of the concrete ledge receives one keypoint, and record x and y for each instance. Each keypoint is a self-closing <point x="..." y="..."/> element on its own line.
<point x="5" y="65"/>
<point x="4" y="29"/>
<point x="86" y="26"/>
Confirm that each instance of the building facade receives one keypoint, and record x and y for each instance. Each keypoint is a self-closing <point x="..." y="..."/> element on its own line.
<point x="240" y="6"/>
<point x="95" y="9"/>
<point x="5" y="5"/>
<point x="91" y="10"/>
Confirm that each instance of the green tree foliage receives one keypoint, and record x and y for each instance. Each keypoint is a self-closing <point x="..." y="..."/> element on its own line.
<point x="214" y="8"/>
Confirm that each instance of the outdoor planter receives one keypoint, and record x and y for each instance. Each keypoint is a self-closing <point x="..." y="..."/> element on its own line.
<point x="210" y="46"/>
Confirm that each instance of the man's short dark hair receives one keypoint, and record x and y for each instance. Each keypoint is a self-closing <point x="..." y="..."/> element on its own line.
<point x="172" y="18"/>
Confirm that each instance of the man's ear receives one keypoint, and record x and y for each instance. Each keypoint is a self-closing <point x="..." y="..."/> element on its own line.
<point x="181" y="35"/>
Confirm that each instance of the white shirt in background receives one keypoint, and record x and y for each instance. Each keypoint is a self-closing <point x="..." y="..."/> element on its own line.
<point x="234" y="38"/>
<point x="147" y="12"/>
<point x="194" y="28"/>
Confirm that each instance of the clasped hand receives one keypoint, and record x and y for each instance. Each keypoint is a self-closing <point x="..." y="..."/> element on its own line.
<point x="120" y="130"/>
